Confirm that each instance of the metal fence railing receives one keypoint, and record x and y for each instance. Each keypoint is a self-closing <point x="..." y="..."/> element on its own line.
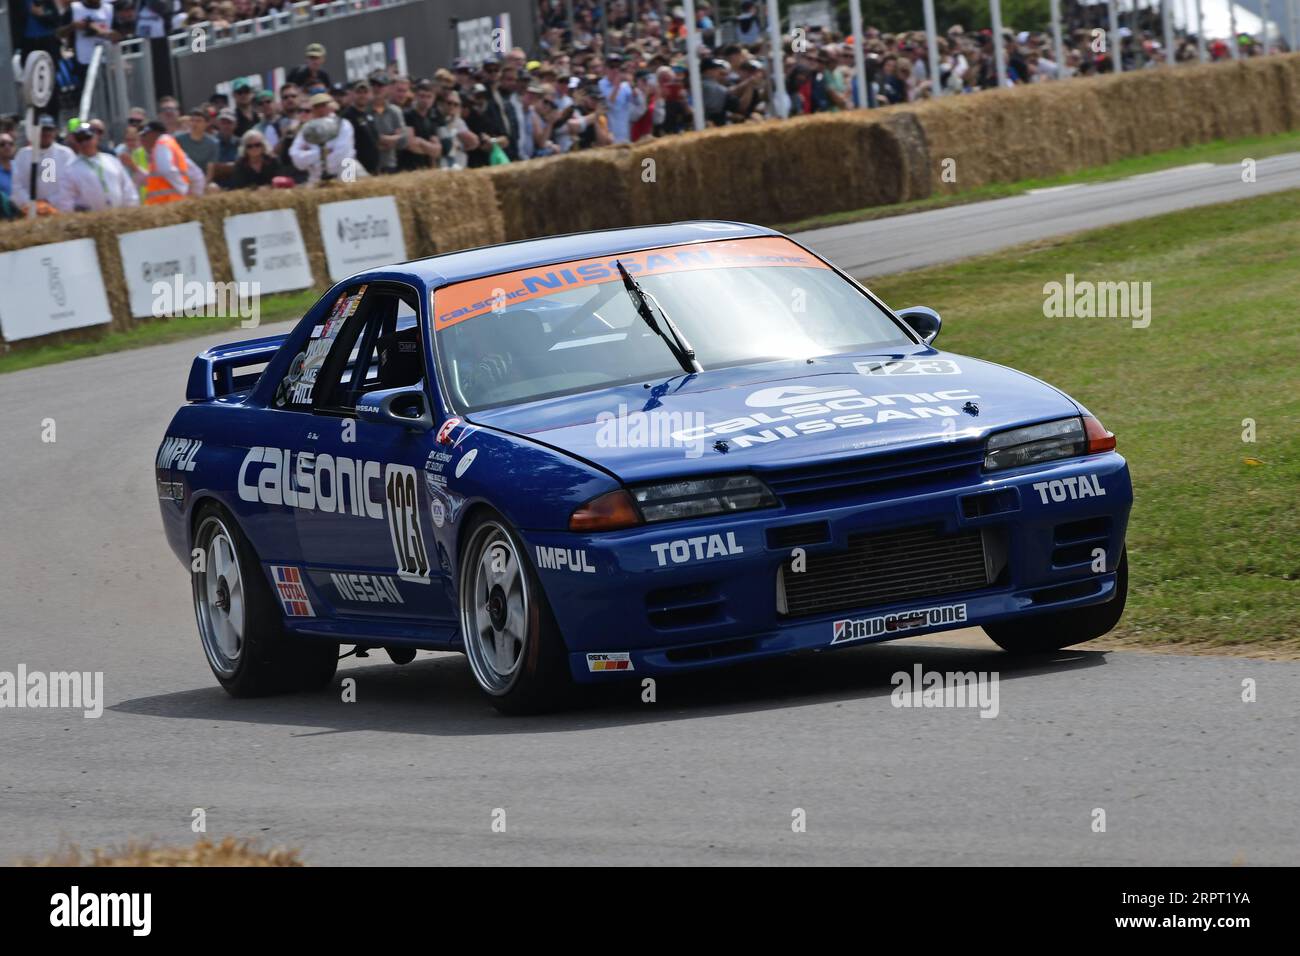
<point x="301" y="14"/>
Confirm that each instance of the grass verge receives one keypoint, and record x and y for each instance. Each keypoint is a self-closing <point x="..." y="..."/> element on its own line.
<point x="1218" y="151"/>
<point x="1212" y="538"/>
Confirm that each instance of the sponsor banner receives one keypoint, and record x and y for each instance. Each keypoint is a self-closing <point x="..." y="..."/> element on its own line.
<point x="475" y="36"/>
<point x="616" y="661"/>
<point x="267" y="248"/>
<point x="856" y="630"/>
<point x="50" y="289"/>
<point x="163" y="255"/>
<point x="292" y="592"/>
<point x="465" y="300"/>
<point x="361" y="234"/>
<point x="813" y="13"/>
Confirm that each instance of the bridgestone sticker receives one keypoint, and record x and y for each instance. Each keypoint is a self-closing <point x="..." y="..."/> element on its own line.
<point x="850" y="630"/>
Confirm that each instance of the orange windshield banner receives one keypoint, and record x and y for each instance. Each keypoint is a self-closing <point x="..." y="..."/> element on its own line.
<point x="465" y="300"/>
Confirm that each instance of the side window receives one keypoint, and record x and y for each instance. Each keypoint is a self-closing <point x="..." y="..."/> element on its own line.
<point x="378" y="348"/>
<point x="297" y="391"/>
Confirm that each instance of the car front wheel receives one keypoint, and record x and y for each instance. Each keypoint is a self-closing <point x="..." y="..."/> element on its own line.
<point x="513" y="644"/>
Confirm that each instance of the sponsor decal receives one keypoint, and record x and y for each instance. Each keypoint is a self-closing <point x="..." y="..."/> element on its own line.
<point x="444" y="505"/>
<point x="1071" y="489"/>
<point x="311" y="482"/>
<point x="700" y="548"/>
<point x="560" y="559"/>
<point x="851" y="630"/>
<point x="178" y="453"/>
<point x="617" y="661"/>
<point x="462" y="466"/>
<point x="465" y="300"/>
<point x="367" y="588"/>
<point x="444" y="433"/>
<point x="171" y="490"/>
<point x="292" y="591"/>
<point x="795" y="405"/>
<point x="297" y="385"/>
<point x="908" y="367"/>
<point x="338" y="485"/>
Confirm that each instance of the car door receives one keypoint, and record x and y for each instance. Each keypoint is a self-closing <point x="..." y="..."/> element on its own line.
<point x="366" y="540"/>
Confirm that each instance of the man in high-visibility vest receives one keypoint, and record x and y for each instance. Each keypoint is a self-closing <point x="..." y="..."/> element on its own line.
<point x="172" y="176"/>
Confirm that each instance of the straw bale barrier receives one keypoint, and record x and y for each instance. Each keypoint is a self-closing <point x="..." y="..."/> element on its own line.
<point x="769" y="172"/>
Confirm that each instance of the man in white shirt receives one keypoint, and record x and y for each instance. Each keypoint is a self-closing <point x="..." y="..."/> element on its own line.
<point x="52" y="162"/>
<point x="338" y="151"/>
<point x="96" y="180"/>
<point x="93" y="22"/>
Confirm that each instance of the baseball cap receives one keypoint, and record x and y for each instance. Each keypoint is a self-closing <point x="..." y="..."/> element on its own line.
<point x="379" y="79"/>
<point x="155" y="126"/>
<point x="84" y="131"/>
<point x="47" y="122"/>
<point x="315" y="49"/>
<point x="240" y="85"/>
<point x="226" y="115"/>
<point x="265" y="96"/>
<point x="461" y="65"/>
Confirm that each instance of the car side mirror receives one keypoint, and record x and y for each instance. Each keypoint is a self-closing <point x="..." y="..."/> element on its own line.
<point x="924" y="322"/>
<point x="408" y="407"/>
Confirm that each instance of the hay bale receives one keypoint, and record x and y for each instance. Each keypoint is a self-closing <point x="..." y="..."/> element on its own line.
<point x="576" y="192"/>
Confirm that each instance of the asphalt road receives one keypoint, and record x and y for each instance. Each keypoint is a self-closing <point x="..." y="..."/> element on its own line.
<point x="942" y="235"/>
<point x="412" y="772"/>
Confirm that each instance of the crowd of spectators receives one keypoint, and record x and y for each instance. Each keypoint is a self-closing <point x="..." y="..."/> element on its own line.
<point x="619" y="80"/>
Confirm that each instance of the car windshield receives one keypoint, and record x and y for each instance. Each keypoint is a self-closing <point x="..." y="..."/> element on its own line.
<point x="571" y="327"/>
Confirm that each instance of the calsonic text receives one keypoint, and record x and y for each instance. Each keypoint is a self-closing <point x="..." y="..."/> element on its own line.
<point x="748" y="430"/>
<point x="310" y="481"/>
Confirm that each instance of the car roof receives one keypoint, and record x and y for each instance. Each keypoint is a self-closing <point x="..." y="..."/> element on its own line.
<point x="526" y="253"/>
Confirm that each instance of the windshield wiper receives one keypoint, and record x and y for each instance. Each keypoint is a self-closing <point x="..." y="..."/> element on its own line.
<point x="641" y="300"/>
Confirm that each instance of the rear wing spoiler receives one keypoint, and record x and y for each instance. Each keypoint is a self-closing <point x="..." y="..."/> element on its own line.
<point x="213" y="373"/>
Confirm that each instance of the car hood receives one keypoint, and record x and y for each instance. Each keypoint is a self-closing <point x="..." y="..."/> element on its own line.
<point x="781" y="414"/>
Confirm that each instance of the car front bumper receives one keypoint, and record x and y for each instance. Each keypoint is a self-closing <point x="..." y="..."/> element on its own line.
<point x="677" y="596"/>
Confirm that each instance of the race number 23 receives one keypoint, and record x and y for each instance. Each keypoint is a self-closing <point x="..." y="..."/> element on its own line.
<point x="404" y="523"/>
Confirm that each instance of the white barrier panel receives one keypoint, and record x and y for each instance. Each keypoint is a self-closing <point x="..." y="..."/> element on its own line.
<point x="267" y="248"/>
<point x="50" y="289"/>
<point x="361" y="234"/>
<point x="166" y="254"/>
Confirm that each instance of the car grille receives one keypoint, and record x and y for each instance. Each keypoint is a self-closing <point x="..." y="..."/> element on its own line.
<point x="884" y="568"/>
<point x="879" y="473"/>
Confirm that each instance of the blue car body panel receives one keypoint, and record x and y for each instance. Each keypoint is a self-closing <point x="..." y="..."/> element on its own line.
<point x="850" y="455"/>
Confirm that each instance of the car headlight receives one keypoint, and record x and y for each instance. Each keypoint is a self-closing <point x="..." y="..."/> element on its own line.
<point x="1064" y="438"/>
<point x="697" y="497"/>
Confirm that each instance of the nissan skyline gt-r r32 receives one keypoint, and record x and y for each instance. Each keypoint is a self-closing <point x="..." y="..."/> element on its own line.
<point x="624" y="454"/>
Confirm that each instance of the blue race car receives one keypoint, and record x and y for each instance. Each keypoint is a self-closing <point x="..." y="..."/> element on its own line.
<point x="621" y="454"/>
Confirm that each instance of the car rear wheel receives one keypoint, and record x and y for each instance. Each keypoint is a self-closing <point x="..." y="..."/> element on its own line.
<point x="1039" y="633"/>
<point x="240" y="623"/>
<point x="513" y="644"/>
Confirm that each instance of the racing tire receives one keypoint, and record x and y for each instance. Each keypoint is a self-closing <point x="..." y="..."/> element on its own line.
<point x="1040" y="633"/>
<point x="513" y="643"/>
<point x="241" y="624"/>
